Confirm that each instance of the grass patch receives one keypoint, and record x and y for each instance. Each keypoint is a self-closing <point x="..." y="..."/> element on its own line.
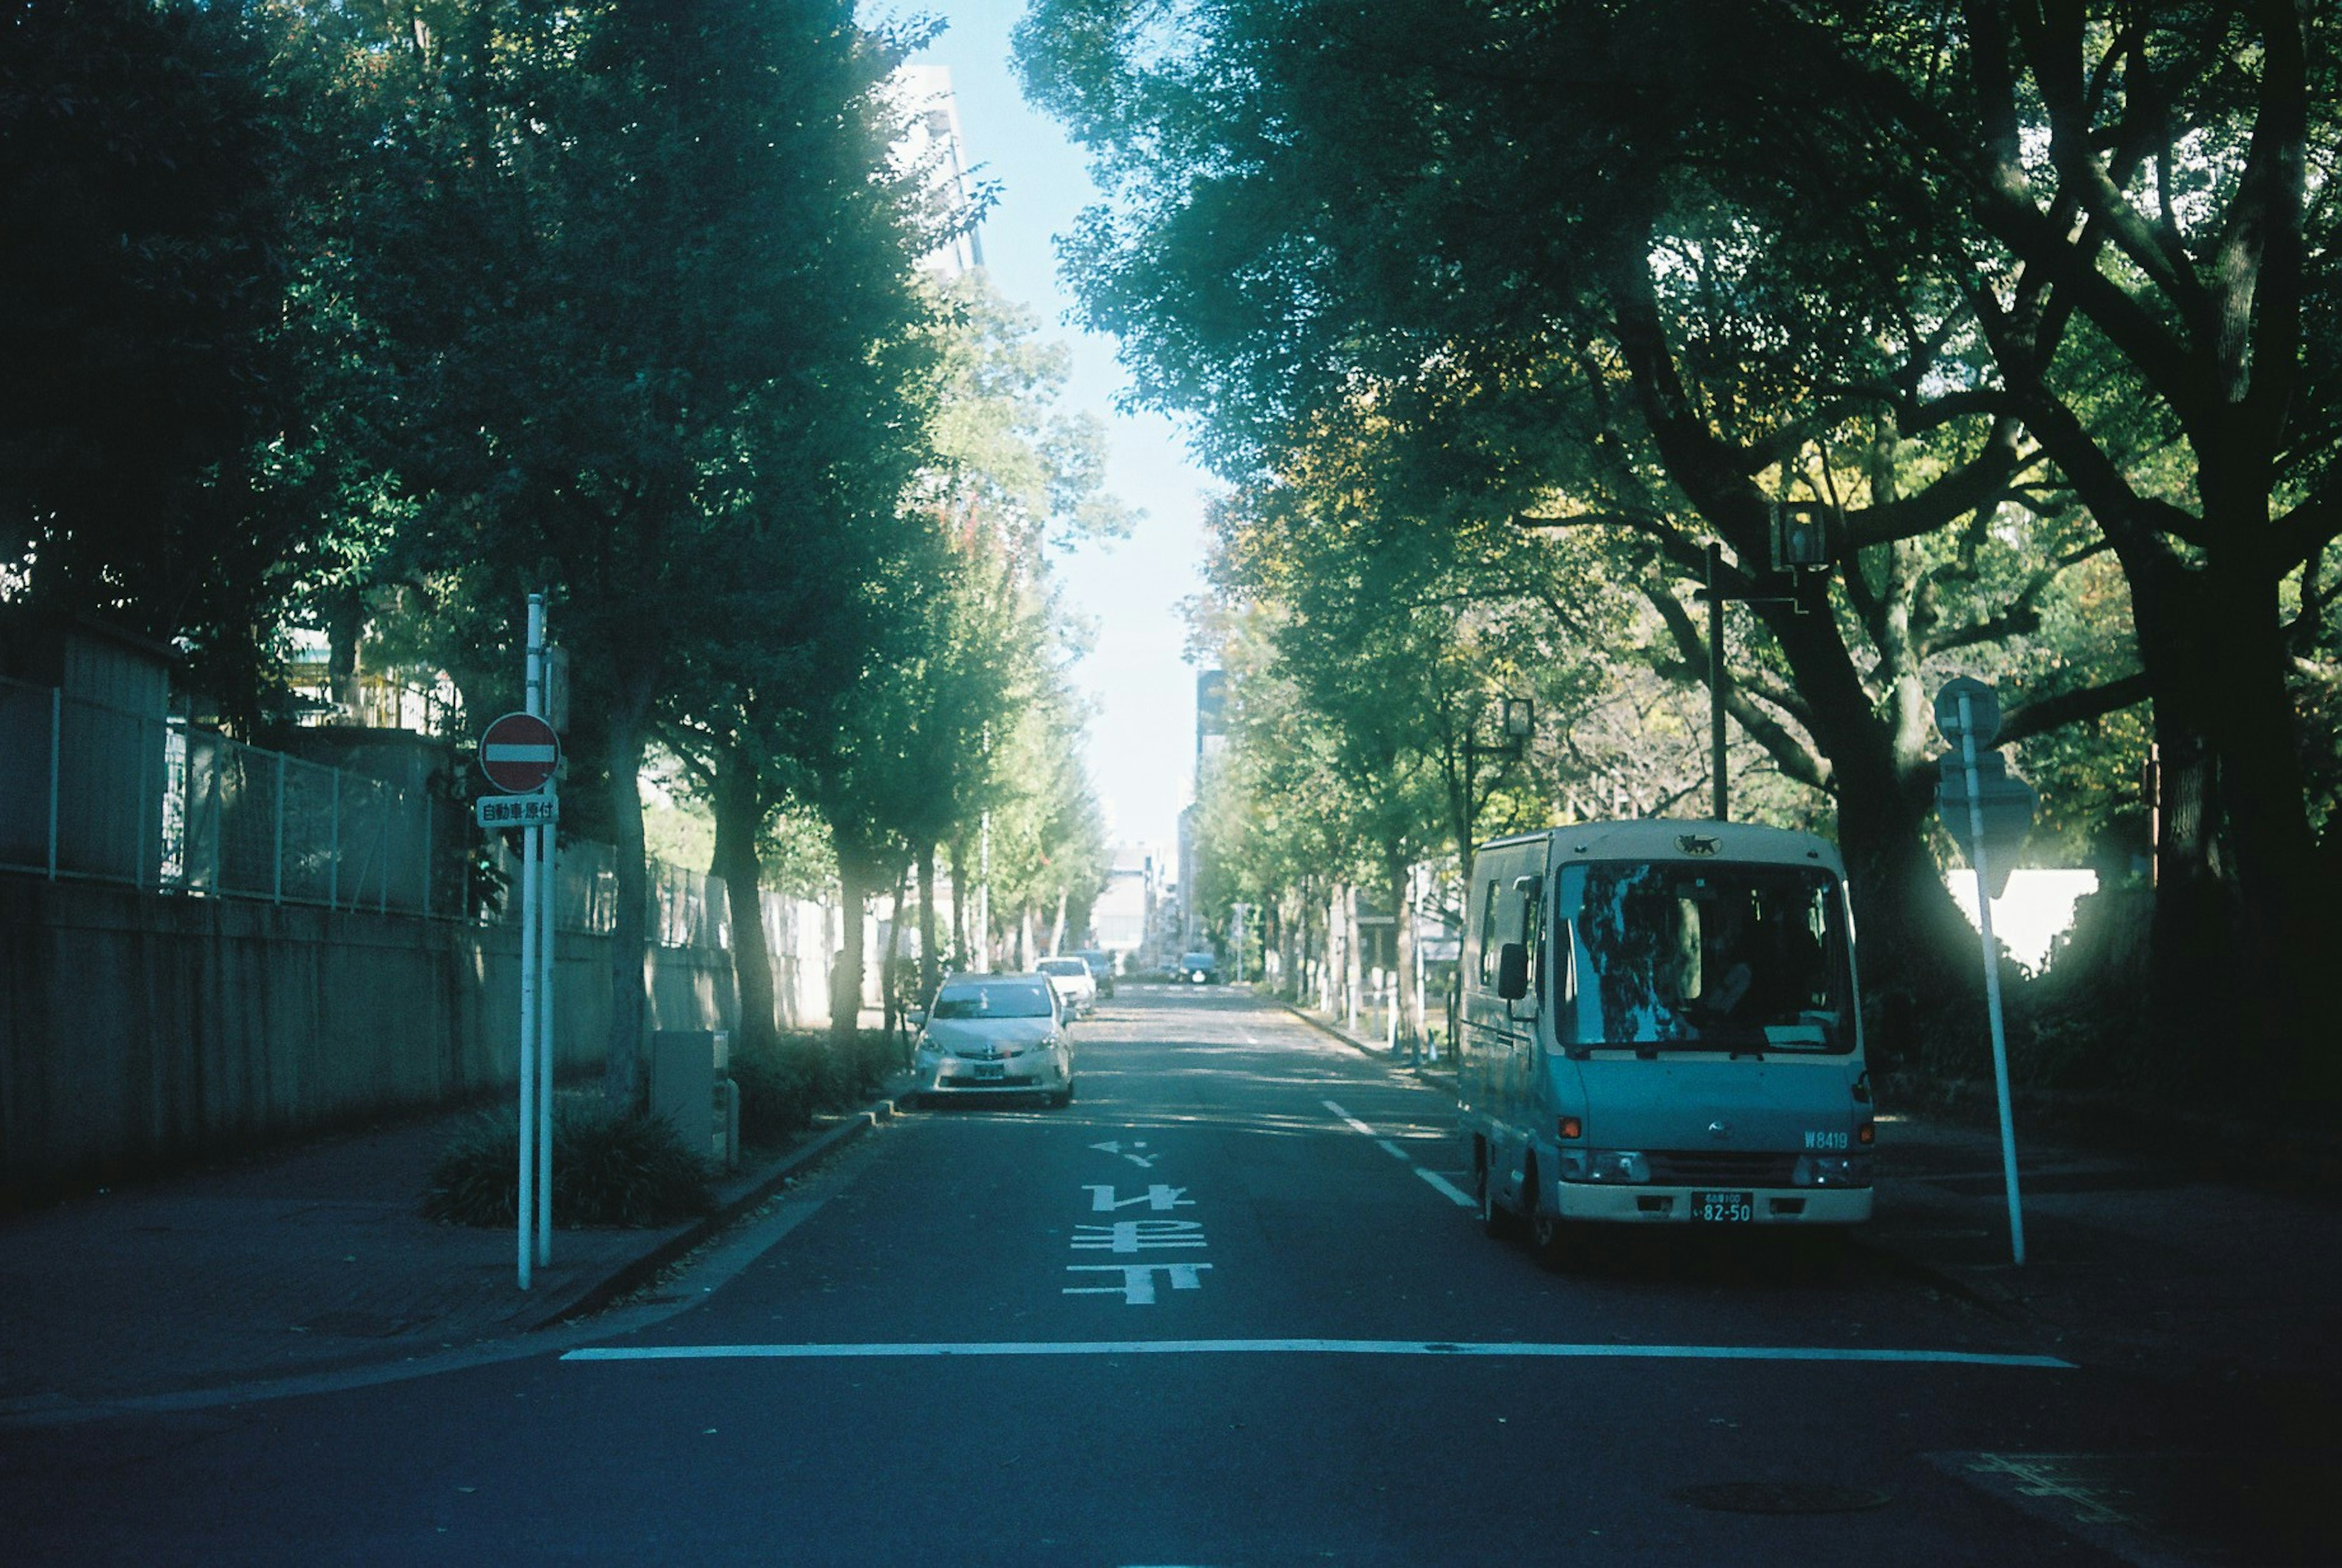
<point x="631" y="1170"/>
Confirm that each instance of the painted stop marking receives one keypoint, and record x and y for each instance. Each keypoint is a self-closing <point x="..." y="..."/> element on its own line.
<point x="519" y="753"/>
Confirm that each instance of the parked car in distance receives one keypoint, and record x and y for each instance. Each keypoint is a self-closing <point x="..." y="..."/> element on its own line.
<point x="1101" y="965"/>
<point x="1072" y="977"/>
<point x="989" y="1035"/>
<point x="1197" y="968"/>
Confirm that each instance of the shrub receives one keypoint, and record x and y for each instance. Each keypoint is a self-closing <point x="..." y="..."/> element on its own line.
<point x="626" y="1170"/>
<point x="780" y="1090"/>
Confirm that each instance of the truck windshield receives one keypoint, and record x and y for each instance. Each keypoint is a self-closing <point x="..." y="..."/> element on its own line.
<point x="1712" y="957"/>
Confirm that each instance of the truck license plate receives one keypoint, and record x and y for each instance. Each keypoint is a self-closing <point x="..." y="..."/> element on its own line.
<point x="1723" y="1208"/>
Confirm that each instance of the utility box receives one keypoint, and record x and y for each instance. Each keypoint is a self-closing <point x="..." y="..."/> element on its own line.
<point x="690" y="1086"/>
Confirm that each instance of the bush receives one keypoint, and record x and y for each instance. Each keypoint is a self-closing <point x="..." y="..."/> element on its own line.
<point x="629" y="1169"/>
<point x="783" y="1087"/>
<point x="780" y="1089"/>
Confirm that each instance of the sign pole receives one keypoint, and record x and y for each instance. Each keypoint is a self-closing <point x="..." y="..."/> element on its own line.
<point x="526" y="1209"/>
<point x="540" y="706"/>
<point x="1991" y="977"/>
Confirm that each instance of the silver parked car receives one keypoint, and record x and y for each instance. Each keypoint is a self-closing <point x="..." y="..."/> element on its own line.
<point x="1071" y="976"/>
<point x="993" y="1035"/>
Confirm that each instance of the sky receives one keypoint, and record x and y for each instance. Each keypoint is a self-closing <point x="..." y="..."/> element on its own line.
<point x="1142" y="730"/>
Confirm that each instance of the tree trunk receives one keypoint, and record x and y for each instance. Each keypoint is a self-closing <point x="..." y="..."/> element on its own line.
<point x="2237" y="917"/>
<point x="1402" y="900"/>
<point x="963" y="907"/>
<point x="622" y="1078"/>
<point x="889" y="992"/>
<point x="345" y="624"/>
<point x="1353" y="962"/>
<point x="854" y="877"/>
<point x="740" y="806"/>
<point x="1057" y="926"/>
<point x="931" y="972"/>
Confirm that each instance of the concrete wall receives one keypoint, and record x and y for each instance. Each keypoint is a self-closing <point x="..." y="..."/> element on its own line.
<point x="138" y="1031"/>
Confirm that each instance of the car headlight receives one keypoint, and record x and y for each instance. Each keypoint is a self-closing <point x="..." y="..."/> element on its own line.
<point x="1626" y="1166"/>
<point x="1832" y="1171"/>
<point x="928" y="1047"/>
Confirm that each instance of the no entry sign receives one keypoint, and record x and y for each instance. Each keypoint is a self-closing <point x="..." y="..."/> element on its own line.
<point x="519" y="753"/>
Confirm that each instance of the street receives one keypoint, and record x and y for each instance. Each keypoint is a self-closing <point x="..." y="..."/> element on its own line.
<point x="1232" y="1306"/>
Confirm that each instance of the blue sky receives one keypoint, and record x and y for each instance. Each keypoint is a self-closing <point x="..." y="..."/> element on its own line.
<point x="1142" y="733"/>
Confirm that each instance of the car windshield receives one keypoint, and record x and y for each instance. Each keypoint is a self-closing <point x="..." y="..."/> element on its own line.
<point x="1063" y="966"/>
<point x="1197" y="961"/>
<point x="1718" y="957"/>
<point x="1025" y="1001"/>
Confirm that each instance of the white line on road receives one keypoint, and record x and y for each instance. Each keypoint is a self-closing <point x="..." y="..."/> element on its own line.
<point x="1311" y="1347"/>
<point x="1455" y="1194"/>
<point x="1462" y="1200"/>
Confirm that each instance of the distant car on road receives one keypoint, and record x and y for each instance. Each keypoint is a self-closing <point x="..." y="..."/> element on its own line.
<point x="989" y="1035"/>
<point x="1101" y="965"/>
<point x="1072" y="977"/>
<point x="1197" y="968"/>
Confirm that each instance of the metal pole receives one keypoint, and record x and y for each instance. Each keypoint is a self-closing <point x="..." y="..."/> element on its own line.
<point x="1991" y="981"/>
<point x="544" y="1053"/>
<point x="1716" y="679"/>
<point x="526" y="1207"/>
<point x="334" y="864"/>
<point x="278" y="895"/>
<point x="57" y="767"/>
<point x="541" y="916"/>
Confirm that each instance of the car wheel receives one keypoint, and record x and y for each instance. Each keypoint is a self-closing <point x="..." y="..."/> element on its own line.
<point x="1495" y="1219"/>
<point x="1062" y="1098"/>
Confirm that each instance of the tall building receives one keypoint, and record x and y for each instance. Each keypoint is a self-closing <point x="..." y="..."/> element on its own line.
<point x="931" y="143"/>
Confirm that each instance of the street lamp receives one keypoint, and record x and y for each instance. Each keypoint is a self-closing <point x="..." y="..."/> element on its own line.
<point x="1516" y="723"/>
<point x="1800" y="544"/>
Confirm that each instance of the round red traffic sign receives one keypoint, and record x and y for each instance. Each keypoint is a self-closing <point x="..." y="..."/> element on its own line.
<point x="519" y="753"/>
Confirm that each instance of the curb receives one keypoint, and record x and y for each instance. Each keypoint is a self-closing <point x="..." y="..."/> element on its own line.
<point x="1372" y="1052"/>
<point x="629" y="1276"/>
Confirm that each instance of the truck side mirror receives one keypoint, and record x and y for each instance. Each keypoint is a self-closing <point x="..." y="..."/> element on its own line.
<point x="1512" y="972"/>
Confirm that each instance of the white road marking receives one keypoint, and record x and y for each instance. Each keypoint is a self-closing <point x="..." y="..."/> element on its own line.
<point x="1460" y="1199"/>
<point x="1106" y="1200"/>
<point x="1464" y="1350"/>
<point x="1132" y="1235"/>
<point x="1455" y="1194"/>
<point x="1137" y="1286"/>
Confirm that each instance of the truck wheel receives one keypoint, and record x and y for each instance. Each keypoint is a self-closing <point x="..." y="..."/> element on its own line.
<point x="1495" y="1219"/>
<point x="1550" y="1237"/>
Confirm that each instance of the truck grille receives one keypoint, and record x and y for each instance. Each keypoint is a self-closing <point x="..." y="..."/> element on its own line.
<point x="1708" y="1167"/>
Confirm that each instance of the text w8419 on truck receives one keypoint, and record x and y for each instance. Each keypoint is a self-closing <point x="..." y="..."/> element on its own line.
<point x="1659" y="1025"/>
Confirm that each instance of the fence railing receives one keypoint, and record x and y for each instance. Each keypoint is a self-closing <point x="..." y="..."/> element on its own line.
<point x="95" y="793"/>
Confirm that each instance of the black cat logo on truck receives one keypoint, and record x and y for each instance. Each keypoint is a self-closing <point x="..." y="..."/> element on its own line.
<point x="1660" y="1025"/>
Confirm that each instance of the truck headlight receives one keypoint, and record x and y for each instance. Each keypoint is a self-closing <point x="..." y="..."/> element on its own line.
<point x="1832" y="1171"/>
<point x="1618" y="1166"/>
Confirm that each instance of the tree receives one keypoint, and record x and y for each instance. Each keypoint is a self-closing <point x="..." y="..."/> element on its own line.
<point x="1587" y="293"/>
<point x="149" y="173"/>
<point x="653" y="286"/>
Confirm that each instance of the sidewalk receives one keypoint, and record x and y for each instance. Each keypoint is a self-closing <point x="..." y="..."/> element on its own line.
<point x="301" y="1262"/>
<point x="2130" y="1266"/>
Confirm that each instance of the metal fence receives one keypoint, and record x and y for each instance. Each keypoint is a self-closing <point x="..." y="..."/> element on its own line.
<point x="97" y="794"/>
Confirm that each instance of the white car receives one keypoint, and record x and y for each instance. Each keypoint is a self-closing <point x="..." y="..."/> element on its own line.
<point x="1074" y="980"/>
<point x="989" y="1035"/>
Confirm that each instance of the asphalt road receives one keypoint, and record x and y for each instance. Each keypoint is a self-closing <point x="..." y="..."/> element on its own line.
<point x="1229" y="1308"/>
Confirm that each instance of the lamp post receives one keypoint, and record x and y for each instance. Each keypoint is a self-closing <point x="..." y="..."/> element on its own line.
<point x="1800" y="542"/>
<point x="1516" y="722"/>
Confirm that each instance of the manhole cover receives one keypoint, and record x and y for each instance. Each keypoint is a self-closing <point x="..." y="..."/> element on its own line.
<point x="1781" y="1497"/>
